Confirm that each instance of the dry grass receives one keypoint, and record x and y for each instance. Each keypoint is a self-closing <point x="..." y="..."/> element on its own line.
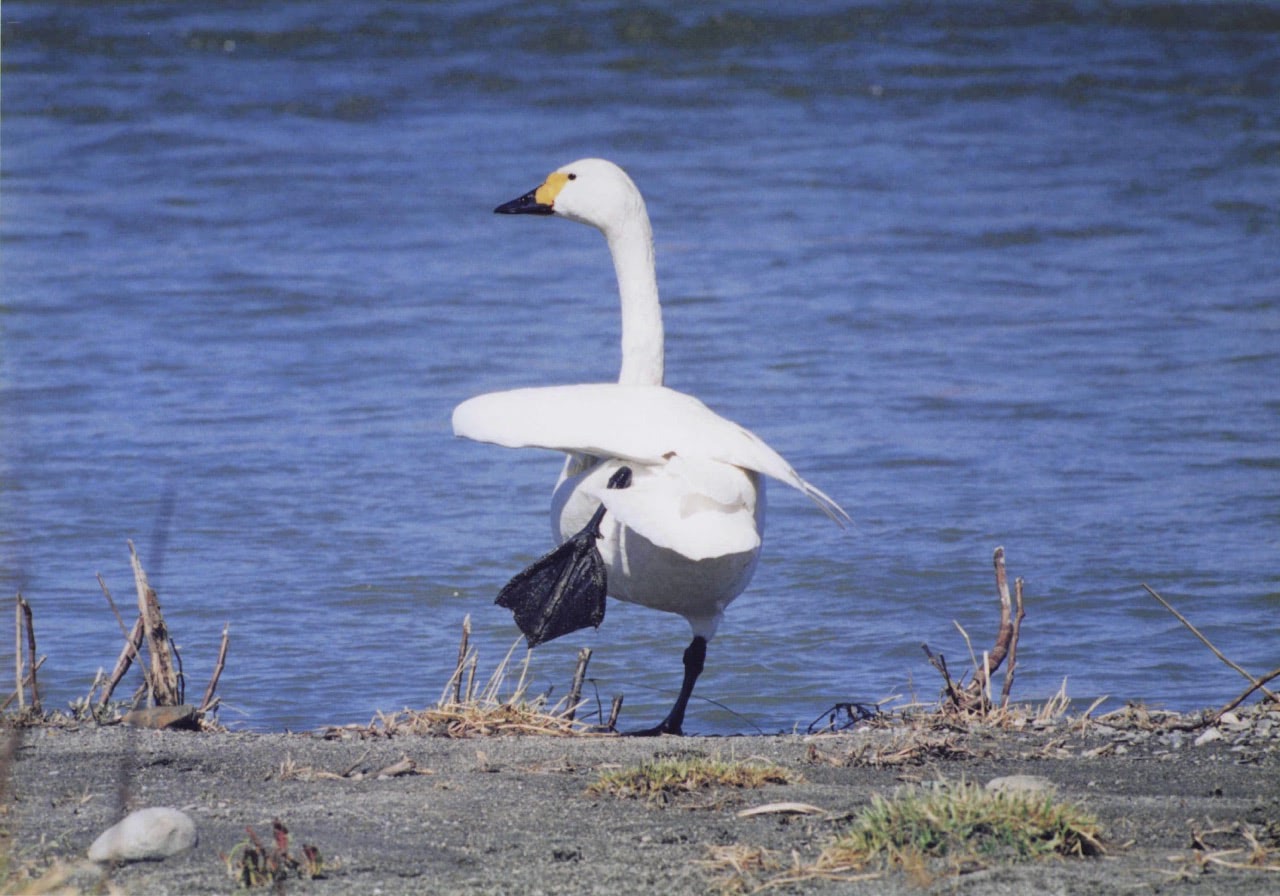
<point x="1243" y="847"/>
<point x="659" y="780"/>
<point x="917" y="734"/>
<point x="501" y="707"/>
<point x="26" y="880"/>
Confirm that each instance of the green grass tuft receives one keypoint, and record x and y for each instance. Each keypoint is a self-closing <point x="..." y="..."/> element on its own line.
<point x="658" y="780"/>
<point x="961" y="826"/>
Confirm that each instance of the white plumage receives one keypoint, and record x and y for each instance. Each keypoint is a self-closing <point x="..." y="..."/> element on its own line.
<point x="685" y="536"/>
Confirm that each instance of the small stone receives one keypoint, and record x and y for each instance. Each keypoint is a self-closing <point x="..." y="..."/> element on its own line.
<point x="154" y="833"/>
<point x="1021" y="784"/>
<point x="1208" y="737"/>
<point x="161" y="717"/>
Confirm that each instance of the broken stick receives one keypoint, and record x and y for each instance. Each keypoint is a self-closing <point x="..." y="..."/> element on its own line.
<point x="579" y="676"/>
<point x="166" y="689"/>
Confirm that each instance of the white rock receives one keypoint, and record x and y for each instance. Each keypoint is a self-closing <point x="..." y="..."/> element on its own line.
<point x="1021" y="784"/>
<point x="155" y="833"/>
<point x="1208" y="737"/>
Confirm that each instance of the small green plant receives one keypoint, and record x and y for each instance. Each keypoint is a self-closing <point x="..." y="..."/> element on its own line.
<point x="253" y="864"/>
<point x="961" y="827"/>
<point x="658" y="780"/>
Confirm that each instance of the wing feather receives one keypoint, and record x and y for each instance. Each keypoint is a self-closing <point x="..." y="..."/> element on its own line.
<point x="641" y="424"/>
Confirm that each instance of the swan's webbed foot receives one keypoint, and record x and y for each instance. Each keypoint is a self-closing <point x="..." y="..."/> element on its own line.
<point x="564" y="590"/>
<point x="695" y="656"/>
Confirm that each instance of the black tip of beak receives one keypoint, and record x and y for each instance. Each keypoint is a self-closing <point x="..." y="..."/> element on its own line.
<point x="527" y="204"/>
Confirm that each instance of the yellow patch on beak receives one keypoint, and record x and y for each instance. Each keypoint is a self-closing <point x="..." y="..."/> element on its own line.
<point x="550" y="189"/>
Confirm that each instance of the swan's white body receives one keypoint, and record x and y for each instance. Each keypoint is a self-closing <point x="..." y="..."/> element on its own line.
<point x="685" y="536"/>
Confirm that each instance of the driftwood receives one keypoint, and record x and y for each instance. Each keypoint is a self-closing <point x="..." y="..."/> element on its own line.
<point x="163" y="679"/>
<point x="165" y="682"/>
<point x="976" y="694"/>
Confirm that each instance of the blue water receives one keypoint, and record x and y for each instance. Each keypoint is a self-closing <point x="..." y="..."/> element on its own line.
<point x="986" y="274"/>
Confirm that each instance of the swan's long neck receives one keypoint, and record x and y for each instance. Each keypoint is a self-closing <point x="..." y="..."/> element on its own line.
<point x="631" y="245"/>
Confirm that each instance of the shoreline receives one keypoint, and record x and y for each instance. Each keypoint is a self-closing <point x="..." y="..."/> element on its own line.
<point x="512" y="814"/>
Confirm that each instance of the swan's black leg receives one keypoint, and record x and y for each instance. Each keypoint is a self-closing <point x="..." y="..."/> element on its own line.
<point x="695" y="656"/>
<point x="564" y="590"/>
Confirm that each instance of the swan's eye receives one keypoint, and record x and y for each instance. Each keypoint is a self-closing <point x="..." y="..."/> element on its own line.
<point x="573" y="177"/>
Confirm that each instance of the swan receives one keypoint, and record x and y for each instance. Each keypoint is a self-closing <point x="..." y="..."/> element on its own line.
<point x="661" y="501"/>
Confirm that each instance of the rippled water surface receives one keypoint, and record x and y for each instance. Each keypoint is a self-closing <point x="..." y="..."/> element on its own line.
<point x="987" y="275"/>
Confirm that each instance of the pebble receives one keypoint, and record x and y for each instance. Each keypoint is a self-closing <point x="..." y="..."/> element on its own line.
<point x="1021" y="784"/>
<point x="1208" y="737"/>
<point x="154" y="833"/>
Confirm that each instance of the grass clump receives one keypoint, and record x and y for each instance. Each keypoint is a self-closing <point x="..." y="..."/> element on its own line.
<point x="661" y="779"/>
<point x="499" y="708"/>
<point x="961" y="827"/>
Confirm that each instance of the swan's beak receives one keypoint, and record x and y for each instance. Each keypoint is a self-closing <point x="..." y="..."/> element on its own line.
<point x="541" y="201"/>
<point x="527" y="204"/>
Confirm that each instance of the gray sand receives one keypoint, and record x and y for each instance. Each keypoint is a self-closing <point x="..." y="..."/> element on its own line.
<point x="511" y="815"/>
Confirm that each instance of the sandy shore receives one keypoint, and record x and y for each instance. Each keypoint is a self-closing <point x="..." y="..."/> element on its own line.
<point x="511" y="814"/>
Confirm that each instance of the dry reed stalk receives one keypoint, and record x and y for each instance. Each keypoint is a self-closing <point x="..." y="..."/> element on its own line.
<point x="465" y="712"/>
<point x="15" y="694"/>
<point x="1256" y="683"/>
<point x="128" y="653"/>
<point x="1273" y="674"/>
<point x="579" y="675"/>
<point x="208" y="703"/>
<point x="462" y="658"/>
<point x="19" y="670"/>
<point x="25" y="668"/>
<point x="1012" y="665"/>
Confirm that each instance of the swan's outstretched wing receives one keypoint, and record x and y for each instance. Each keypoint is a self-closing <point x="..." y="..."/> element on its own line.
<point x="642" y="424"/>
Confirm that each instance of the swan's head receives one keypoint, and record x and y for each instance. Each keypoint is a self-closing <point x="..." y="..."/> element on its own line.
<point x="590" y="191"/>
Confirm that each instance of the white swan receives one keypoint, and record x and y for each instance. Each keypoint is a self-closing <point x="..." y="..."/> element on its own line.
<point x="684" y="535"/>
